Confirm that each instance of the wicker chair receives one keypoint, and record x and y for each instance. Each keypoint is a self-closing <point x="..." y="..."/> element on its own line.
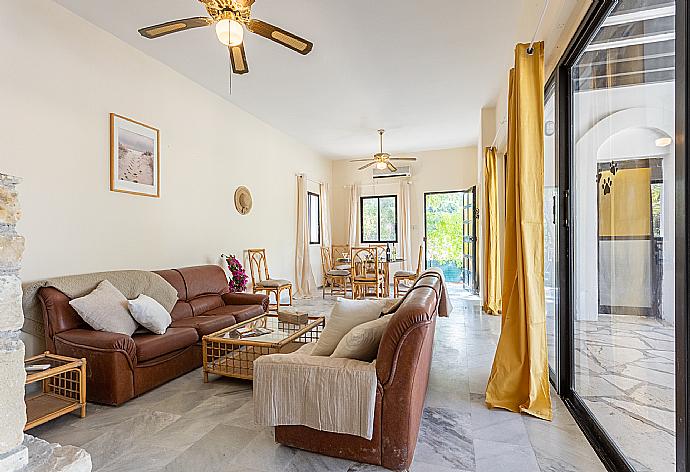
<point x="261" y="280"/>
<point x="366" y="271"/>
<point x="404" y="275"/>
<point x="336" y="279"/>
<point x="337" y="252"/>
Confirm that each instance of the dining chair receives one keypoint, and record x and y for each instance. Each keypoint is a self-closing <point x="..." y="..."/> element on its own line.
<point x="336" y="279"/>
<point x="340" y="251"/>
<point x="405" y="275"/>
<point x="366" y="271"/>
<point x="262" y="281"/>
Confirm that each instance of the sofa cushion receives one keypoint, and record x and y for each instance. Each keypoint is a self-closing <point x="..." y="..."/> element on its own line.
<point x="181" y="310"/>
<point x="174" y="278"/>
<point x="204" y="303"/>
<point x="204" y="280"/>
<point x="205" y="324"/>
<point x="150" y="346"/>
<point x="273" y="283"/>
<point x="240" y="312"/>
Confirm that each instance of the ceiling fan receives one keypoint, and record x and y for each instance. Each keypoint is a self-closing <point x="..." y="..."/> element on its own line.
<point x="230" y="18"/>
<point x="382" y="160"/>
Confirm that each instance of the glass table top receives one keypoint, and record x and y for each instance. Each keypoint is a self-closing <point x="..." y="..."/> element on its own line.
<point x="267" y="330"/>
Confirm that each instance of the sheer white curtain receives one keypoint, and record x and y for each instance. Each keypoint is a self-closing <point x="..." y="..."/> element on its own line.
<point x="406" y="227"/>
<point x="304" y="277"/>
<point x="324" y="190"/>
<point x="353" y="223"/>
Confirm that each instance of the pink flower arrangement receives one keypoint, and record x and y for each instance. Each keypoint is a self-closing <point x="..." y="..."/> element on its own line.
<point x="238" y="281"/>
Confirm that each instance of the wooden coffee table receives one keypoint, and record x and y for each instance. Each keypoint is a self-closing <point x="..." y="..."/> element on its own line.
<point x="231" y="352"/>
<point x="63" y="388"/>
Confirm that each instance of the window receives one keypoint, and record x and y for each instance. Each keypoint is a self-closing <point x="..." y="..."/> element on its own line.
<point x="314" y="218"/>
<point x="379" y="219"/>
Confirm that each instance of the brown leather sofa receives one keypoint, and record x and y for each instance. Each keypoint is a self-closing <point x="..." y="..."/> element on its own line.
<point x="121" y="367"/>
<point x="402" y="368"/>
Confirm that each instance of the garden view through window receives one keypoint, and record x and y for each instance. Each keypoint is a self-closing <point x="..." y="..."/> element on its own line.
<point x="379" y="219"/>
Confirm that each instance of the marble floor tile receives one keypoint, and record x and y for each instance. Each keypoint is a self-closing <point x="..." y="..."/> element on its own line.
<point x="502" y="457"/>
<point x="214" y="451"/>
<point x="445" y="439"/>
<point x="187" y="425"/>
<point x="496" y="424"/>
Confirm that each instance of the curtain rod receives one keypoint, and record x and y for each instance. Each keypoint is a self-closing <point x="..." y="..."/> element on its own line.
<point x="374" y="184"/>
<point x="308" y="179"/>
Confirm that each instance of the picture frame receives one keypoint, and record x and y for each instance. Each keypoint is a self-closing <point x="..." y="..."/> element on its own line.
<point x="134" y="157"/>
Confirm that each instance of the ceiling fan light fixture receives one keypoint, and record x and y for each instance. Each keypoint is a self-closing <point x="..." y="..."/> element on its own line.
<point x="664" y="141"/>
<point x="381" y="165"/>
<point x="230" y="32"/>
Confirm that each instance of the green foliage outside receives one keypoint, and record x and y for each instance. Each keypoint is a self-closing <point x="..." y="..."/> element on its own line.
<point x="444" y="228"/>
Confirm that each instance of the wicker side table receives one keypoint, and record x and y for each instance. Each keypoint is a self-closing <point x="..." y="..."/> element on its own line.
<point x="63" y="388"/>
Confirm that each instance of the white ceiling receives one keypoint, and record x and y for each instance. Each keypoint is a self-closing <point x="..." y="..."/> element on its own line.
<point x="420" y="69"/>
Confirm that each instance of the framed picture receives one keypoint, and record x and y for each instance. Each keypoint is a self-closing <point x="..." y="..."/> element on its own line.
<point x="134" y="157"/>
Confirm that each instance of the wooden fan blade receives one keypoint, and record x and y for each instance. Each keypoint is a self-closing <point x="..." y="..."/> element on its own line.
<point x="360" y="160"/>
<point x="280" y="36"/>
<point x="403" y="158"/>
<point x="156" y="31"/>
<point x="238" y="59"/>
<point x="367" y="165"/>
<point x="391" y="167"/>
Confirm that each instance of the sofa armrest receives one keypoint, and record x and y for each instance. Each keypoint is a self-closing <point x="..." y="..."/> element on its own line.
<point x="88" y="340"/>
<point x="287" y="386"/>
<point x="246" y="299"/>
<point x="110" y="362"/>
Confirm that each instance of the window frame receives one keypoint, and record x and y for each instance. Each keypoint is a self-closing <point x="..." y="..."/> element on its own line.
<point x="378" y="218"/>
<point x="318" y="220"/>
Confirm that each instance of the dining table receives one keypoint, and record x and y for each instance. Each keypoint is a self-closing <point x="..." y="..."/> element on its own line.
<point x="385" y="266"/>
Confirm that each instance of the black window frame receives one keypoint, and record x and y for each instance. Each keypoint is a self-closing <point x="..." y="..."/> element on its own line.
<point x="607" y="450"/>
<point x="318" y="220"/>
<point x="378" y="219"/>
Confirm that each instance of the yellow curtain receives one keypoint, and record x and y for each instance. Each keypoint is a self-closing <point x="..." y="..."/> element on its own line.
<point x="492" y="272"/>
<point x="519" y="378"/>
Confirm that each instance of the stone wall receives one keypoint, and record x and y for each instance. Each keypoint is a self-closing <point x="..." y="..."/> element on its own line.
<point x="13" y="454"/>
<point x="20" y="452"/>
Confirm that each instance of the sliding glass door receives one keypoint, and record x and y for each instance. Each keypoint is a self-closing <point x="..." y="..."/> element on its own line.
<point x="625" y="204"/>
<point x="551" y="194"/>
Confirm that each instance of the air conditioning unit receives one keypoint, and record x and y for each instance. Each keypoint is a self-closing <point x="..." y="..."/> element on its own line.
<point x="403" y="171"/>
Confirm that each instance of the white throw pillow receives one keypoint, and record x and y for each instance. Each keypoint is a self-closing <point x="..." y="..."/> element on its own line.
<point x="362" y="342"/>
<point x="346" y="315"/>
<point x="150" y="314"/>
<point x="105" y="309"/>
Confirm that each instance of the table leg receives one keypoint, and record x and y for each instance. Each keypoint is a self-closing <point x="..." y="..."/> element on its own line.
<point x="82" y="388"/>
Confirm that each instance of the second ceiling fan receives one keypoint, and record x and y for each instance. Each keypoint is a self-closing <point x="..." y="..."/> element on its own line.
<point x="382" y="160"/>
<point x="230" y="18"/>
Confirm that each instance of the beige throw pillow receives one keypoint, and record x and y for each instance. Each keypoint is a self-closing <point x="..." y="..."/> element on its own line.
<point x="105" y="309"/>
<point x="362" y="342"/>
<point x="346" y="315"/>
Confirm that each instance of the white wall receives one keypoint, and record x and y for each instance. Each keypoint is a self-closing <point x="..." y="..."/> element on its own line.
<point x="434" y="171"/>
<point x="61" y="78"/>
